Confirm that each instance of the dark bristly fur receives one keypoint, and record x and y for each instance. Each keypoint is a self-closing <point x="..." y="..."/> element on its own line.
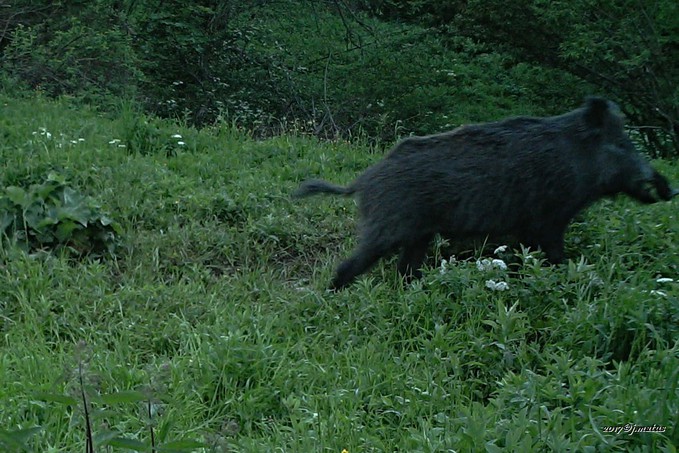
<point x="526" y="177"/>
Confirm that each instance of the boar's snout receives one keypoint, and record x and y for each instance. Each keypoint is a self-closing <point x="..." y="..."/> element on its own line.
<point x="662" y="187"/>
<point x="653" y="189"/>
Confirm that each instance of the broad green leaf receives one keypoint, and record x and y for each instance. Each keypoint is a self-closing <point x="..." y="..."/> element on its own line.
<point x="79" y="212"/>
<point x="131" y="444"/>
<point x="47" y="221"/>
<point x="72" y="198"/>
<point x="6" y="219"/>
<point x="103" y="437"/>
<point x="33" y="215"/>
<point x="6" y="440"/>
<point x="18" y="196"/>
<point x="64" y="230"/>
<point x="55" y="398"/>
<point x="46" y="190"/>
<point x="116" y="228"/>
<point x="16" y="439"/>
<point x="56" y="177"/>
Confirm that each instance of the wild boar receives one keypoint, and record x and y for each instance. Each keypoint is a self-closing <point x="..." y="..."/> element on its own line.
<point x="525" y="177"/>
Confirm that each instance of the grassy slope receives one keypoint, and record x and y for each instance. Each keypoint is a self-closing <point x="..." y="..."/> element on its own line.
<point x="217" y="303"/>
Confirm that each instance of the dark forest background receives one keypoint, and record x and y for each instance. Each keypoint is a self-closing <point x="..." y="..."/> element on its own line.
<point x="379" y="69"/>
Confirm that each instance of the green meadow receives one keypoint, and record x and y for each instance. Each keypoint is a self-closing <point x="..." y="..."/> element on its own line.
<point x="203" y="324"/>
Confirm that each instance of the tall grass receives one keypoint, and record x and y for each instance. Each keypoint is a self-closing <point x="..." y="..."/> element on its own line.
<point x="211" y="328"/>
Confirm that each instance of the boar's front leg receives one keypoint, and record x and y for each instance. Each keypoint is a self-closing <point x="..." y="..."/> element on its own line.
<point x="551" y="241"/>
<point x="412" y="256"/>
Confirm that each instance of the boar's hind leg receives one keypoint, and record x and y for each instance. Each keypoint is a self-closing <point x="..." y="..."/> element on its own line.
<point x="363" y="258"/>
<point x="412" y="257"/>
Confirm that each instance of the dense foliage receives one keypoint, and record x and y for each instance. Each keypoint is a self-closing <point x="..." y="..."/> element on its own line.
<point x="381" y="68"/>
<point x="625" y="48"/>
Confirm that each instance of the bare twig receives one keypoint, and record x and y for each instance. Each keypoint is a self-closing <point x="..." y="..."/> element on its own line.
<point x="89" y="445"/>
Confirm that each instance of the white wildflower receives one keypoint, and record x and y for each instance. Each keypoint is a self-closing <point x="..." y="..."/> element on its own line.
<point x="445" y="264"/>
<point x="499" y="264"/>
<point x="500" y="249"/>
<point x="486" y="264"/>
<point x="81" y="139"/>
<point x="656" y="292"/>
<point x="176" y="136"/>
<point x="497" y="286"/>
<point x="114" y="141"/>
<point x="595" y="280"/>
<point x="181" y="143"/>
<point x="664" y="280"/>
<point x="442" y="270"/>
<point x="45" y="132"/>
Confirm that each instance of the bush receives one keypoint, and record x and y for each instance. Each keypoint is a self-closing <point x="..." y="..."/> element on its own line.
<point x="54" y="215"/>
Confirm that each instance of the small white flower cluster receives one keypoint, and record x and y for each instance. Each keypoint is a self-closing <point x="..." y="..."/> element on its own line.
<point x="658" y="292"/>
<point x="44" y="132"/>
<point x="500" y="249"/>
<point x="446" y="263"/>
<point x="116" y="141"/>
<point x="497" y="286"/>
<point x="177" y="136"/>
<point x="486" y="264"/>
<point x="59" y="142"/>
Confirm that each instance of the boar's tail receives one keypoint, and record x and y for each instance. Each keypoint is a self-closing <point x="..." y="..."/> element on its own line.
<point x="314" y="186"/>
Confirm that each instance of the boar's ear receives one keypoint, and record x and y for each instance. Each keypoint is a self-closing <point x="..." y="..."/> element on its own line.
<point x="596" y="110"/>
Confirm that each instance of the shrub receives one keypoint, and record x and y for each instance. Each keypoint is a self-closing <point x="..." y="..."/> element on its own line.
<point x="53" y="215"/>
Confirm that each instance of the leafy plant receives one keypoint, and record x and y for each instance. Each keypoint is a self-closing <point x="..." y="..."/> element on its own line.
<point x="54" y="215"/>
<point x="15" y="440"/>
<point x="92" y="405"/>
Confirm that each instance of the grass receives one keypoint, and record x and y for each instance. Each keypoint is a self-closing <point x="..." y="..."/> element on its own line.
<point x="211" y="326"/>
